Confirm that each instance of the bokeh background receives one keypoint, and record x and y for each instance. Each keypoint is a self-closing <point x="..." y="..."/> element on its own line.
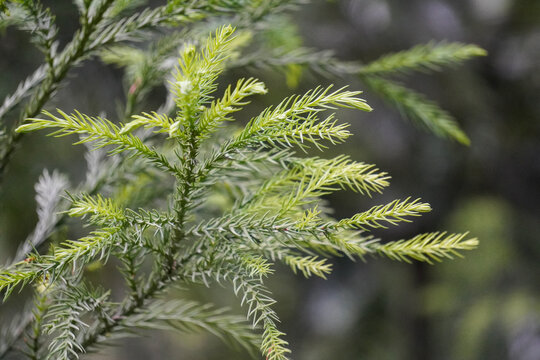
<point x="485" y="306"/>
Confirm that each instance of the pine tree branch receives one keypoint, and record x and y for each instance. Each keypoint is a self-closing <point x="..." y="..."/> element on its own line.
<point x="309" y="265"/>
<point x="219" y="110"/>
<point x="194" y="80"/>
<point x="209" y="226"/>
<point x="65" y="319"/>
<point x="102" y="210"/>
<point x="101" y="132"/>
<point x="221" y="262"/>
<point x="411" y="104"/>
<point x="293" y="110"/>
<point x="98" y="244"/>
<point x="37" y="332"/>
<point x="427" y="247"/>
<point x="157" y="283"/>
<point x="99" y="175"/>
<point x="321" y="62"/>
<point x="392" y="213"/>
<point x="426" y="58"/>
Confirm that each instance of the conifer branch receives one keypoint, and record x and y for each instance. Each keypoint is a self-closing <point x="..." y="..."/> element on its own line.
<point x="392" y="213"/>
<point x="311" y="178"/>
<point x="35" y="342"/>
<point x="309" y="265"/>
<point x="410" y="104"/>
<point x="426" y="57"/>
<point x="254" y="295"/>
<point x="66" y="320"/>
<point x="229" y="211"/>
<point x="102" y="211"/>
<point x="195" y="79"/>
<point x="39" y="22"/>
<point x="99" y="331"/>
<point x="56" y="72"/>
<point x="196" y="74"/>
<point x="232" y="100"/>
<point x="258" y="300"/>
<point x="427" y="247"/>
<point x="296" y="111"/>
<point x="100" y="131"/>
<point x="149" y="120"/>
<point x="132" y="260"/>
<point x="321" y="62"/>
<point x="97" y="245"/>
<point x="98" y="29"/>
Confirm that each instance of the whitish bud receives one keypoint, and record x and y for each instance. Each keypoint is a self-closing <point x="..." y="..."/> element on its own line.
<point x="184" y="86"/>
<point x="174" y="128"/>
<point x="228" y="30"/>
<point x="189" y="50"/>
<point x="258" y="88"/>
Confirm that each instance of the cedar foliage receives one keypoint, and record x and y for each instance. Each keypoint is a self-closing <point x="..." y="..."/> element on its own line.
<point x="180" y="196"/>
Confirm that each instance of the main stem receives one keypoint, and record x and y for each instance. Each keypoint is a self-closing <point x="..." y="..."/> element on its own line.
<point x="186" y="183"/>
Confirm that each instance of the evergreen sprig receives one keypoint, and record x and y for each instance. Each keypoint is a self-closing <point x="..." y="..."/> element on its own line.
<point x="65" y="318"/>
<point x="425" y="58"/>
<point x="392" y="213"/>
<point x="221" y="212"/>
<point x="427" y="247"/>
<point x="294" y="120"/>
<point x="101" y="132"/>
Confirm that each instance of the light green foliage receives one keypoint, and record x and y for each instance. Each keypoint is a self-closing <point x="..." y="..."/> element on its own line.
<point x="220" y="109"/>
<point x="102" y="211"/>
<point x="309" y="265"/>
<point x="101" y="132"/>
<point x="427" y="247"/>
<point x="392" y="213"/>
<point x="224" y="211"/>
<point x="97" y="245"/>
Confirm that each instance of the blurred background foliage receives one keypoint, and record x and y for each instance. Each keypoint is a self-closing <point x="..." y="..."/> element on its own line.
<point x="486" y="306"/>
